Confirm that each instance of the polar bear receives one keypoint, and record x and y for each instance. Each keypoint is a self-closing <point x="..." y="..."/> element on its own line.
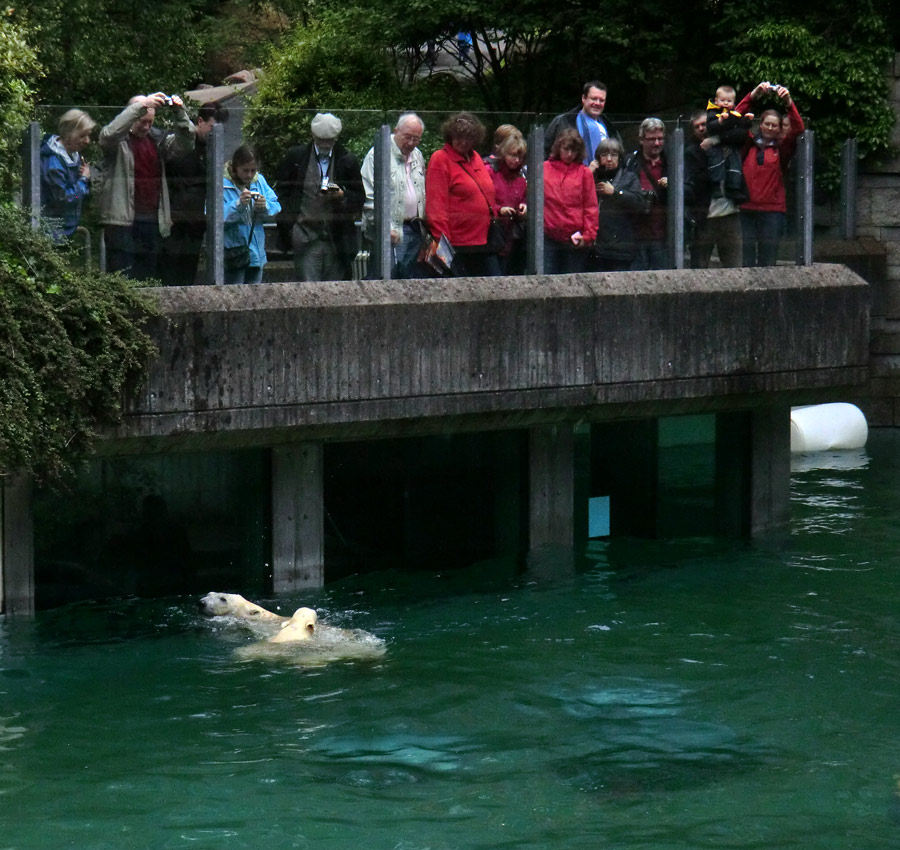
<point x="305" y="642"/>
<point x="301" y="626"/>
<point x="216" y="604"/>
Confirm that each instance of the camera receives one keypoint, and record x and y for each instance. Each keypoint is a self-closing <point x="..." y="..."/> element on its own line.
<point x="168" y="100"/>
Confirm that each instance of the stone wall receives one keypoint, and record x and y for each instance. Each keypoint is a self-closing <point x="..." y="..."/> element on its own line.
<point x="264" y="365"/>
<point x="878" y="222"/>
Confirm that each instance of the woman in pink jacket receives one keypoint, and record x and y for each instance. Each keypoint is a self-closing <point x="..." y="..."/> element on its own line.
<point x="766" y="158"/>
<point x="570" y="206"/>
<point x="459" y="196"/>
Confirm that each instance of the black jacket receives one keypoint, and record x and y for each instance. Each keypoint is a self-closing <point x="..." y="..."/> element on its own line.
<point x="341" y="223"/>
<point x="615" y="235"/>
<point x="569" y="121"/>
<point x="186" y="176"/>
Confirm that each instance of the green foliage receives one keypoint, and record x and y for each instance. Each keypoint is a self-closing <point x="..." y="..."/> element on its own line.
<point x="832" y="60"/>
<point x="19" y="71"/>
<point x="71" y="345"/>
<point x="320" y="69"/>
<point x="105" y="51"/>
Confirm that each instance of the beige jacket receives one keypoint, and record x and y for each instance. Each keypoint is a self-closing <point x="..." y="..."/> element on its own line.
<point x="117" y="193"/>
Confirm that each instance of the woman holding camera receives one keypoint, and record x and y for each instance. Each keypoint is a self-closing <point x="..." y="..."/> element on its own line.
<point x="620" y="199"/>
<point x="767" y="155"/>
<point x="249" y="201"/>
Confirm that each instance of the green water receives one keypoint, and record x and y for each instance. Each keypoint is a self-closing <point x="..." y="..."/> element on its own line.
<point x="667" y="696"/>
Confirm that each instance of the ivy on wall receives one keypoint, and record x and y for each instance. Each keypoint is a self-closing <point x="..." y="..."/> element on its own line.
<point x="71" y="347"/>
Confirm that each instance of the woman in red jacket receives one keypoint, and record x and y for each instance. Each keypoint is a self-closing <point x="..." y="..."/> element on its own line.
<point x="766" y="158"/>
<point x="570" y="206"/>
<point x="459" y="196"/>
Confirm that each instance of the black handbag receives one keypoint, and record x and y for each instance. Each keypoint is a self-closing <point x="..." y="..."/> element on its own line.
<point x="496" y="238"/>
<point x="238" y="256"/>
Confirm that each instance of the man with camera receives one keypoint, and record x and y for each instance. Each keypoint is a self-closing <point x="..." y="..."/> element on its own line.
<point x="134" y="202"/>
<point x="321" y="193"/>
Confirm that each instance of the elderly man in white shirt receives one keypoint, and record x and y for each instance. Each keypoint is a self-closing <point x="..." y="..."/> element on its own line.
<point x="407" y="193"/>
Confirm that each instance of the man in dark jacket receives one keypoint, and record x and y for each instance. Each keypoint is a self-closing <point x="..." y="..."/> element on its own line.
<point x="648" y="163"/>
<point x="588" y="119"/>
<point x="712" y="202"/>
<point x="321" y="193"/>
<point x="186" y="176"/>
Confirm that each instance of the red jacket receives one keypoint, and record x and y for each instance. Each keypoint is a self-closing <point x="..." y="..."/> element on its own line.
<point x="454" y="204"/>
<point x="765" y="180"/>
<point x="570" y="201"/>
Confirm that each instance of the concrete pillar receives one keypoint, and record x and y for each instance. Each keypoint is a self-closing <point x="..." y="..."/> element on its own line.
<point x="753" y="471"/>
<point x="509" y="488"/>
<point x="17" y="551"/>
<point x="625" y="466"/>
<point x="551" y="486"/>
<point x="298" y="517"/>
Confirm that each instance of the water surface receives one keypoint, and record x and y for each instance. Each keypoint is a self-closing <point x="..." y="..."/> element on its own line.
<point x="670" y="696"/>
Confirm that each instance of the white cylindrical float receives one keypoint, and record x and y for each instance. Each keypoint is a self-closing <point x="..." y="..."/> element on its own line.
<point x="819" y="427"/>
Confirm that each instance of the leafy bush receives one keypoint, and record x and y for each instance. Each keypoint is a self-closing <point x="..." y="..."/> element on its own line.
<point x="71" y="345"/>
<point x="833" y="62"/>
<point x="19" y="70"/>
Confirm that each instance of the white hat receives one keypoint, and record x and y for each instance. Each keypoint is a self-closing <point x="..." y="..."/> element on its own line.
<point x="326" y="126"/>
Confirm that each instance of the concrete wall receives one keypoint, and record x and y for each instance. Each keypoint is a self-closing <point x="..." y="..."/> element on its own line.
<point x="878" y="221"/>
<point x="284" y="363"/>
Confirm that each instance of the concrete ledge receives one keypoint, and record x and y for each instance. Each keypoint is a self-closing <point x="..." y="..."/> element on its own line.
<point x="262" y="364"/>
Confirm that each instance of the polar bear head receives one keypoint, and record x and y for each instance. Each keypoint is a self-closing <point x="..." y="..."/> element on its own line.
<point x="234" y="605"/>
<point x="301" y="626"/>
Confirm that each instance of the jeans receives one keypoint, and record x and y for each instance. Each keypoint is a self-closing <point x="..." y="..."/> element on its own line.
<point x="723" y="232"/>
<point x="248" y="274"/>
<point x="761" y="233"/>
<point x="651" y="255"/>
<point x="563" y="258"/>
<point x="133" y="250"/>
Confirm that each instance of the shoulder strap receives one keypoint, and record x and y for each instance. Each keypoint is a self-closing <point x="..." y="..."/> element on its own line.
<point x="475" y="181"/>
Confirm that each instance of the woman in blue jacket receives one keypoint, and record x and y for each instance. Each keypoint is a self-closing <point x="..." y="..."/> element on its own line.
<point x="65" y="175"/>
<point x="249" y="201"/>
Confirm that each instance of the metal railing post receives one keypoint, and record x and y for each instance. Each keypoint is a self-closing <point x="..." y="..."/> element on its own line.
<point x="849" y="172"/>
<point x="31" y="172"/>
<point x="534" y="230"/>
<point x="675" y="197"/>
<point x="804" y="189"/>
<point x="381" y="238"/>
<point x="215" y="206"/>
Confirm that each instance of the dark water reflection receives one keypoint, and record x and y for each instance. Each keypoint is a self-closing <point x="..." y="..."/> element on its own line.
<point x="672" y="696"/>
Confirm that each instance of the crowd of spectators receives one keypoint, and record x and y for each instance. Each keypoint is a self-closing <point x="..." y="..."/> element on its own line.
<point x="603" y="209"/>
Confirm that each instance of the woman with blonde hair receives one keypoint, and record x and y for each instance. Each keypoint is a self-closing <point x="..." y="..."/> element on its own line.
<point x="510" y="188"/>
<point x="65" y="175"/>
